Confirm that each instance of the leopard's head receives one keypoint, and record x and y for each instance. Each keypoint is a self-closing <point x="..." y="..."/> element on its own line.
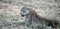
<point x="24" y="11"/>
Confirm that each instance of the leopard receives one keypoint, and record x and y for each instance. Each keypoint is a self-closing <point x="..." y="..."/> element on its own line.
<point x="32" y="19"/>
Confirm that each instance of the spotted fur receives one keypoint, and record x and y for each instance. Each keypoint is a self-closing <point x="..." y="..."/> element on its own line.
<point x="32" y="15"/>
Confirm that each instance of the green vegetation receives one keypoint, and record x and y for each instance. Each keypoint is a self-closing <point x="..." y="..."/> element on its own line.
<point x="16" y="18"/>
<point x="47" y="9"/>
<point x="1" y="26"/>
<point x="32" y="5"/>
<point x="58" y="13"/>
<point x="58" y="25"/>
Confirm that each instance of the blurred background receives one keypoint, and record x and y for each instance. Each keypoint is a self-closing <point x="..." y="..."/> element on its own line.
<point x="10" y="11"/>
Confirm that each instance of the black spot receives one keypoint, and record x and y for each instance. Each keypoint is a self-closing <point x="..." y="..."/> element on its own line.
<point x="52" y="24"/>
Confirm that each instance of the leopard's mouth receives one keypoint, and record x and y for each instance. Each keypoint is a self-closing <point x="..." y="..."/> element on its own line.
<point x="22" y="14"/>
